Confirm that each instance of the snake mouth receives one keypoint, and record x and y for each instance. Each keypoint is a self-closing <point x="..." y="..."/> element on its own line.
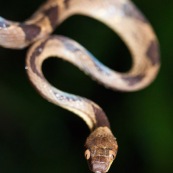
<point x="99" y="167"/>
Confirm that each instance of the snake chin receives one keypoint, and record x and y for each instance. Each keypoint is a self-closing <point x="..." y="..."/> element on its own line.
<point x="99" y="167"/>
<point x="100" y="163"/>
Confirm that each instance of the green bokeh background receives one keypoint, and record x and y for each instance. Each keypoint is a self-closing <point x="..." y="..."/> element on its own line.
<point x="39" y="137"/>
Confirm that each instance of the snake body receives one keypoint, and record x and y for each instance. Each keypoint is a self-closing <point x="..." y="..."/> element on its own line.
<point x="123" y="17"/>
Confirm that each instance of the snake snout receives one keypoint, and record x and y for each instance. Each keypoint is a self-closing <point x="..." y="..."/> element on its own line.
<point x="99" y="167"/>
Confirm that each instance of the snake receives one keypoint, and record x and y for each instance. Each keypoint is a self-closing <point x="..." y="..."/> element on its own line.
<point x="121" y="16"/>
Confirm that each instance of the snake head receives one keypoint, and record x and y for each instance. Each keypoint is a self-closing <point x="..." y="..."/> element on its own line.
<point x="101" y="150"/>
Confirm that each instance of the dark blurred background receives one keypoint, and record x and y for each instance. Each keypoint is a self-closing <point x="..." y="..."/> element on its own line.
<point x="37" y="136"/>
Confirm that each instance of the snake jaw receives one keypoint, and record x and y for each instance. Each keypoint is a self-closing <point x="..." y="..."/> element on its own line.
<point x="99" y="167"/>
<point x="100" y="163"/>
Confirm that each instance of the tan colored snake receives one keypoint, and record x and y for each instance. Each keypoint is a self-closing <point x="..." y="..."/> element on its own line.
<point x="122" y="17"/>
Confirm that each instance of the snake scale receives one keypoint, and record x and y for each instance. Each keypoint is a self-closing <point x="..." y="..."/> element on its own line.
<point x="123" y="17"/>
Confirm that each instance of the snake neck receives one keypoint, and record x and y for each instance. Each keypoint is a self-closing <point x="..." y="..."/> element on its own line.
<point x="101" y="119"/>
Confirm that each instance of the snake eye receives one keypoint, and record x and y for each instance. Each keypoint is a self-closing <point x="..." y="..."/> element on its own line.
<point x="112" y="154"/>
<point x="87" y="154"/>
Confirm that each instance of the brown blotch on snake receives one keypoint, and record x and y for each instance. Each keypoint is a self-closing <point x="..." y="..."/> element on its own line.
<point x="101" y="117"/>
<point x="66" y="2"/>
<point x="34" y="56"/>
<point x="31" y="31"/>
<point x="130" y="11"/>
<point x="52" y="14"/>
<point x="133" y="80"/>
<point x="153" y="53"/>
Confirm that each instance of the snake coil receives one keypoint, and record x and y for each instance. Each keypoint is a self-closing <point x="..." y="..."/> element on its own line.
<point x="123" y="17"/>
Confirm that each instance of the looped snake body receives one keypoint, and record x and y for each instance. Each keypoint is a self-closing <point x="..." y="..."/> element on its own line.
<point x="121" y="16"/>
